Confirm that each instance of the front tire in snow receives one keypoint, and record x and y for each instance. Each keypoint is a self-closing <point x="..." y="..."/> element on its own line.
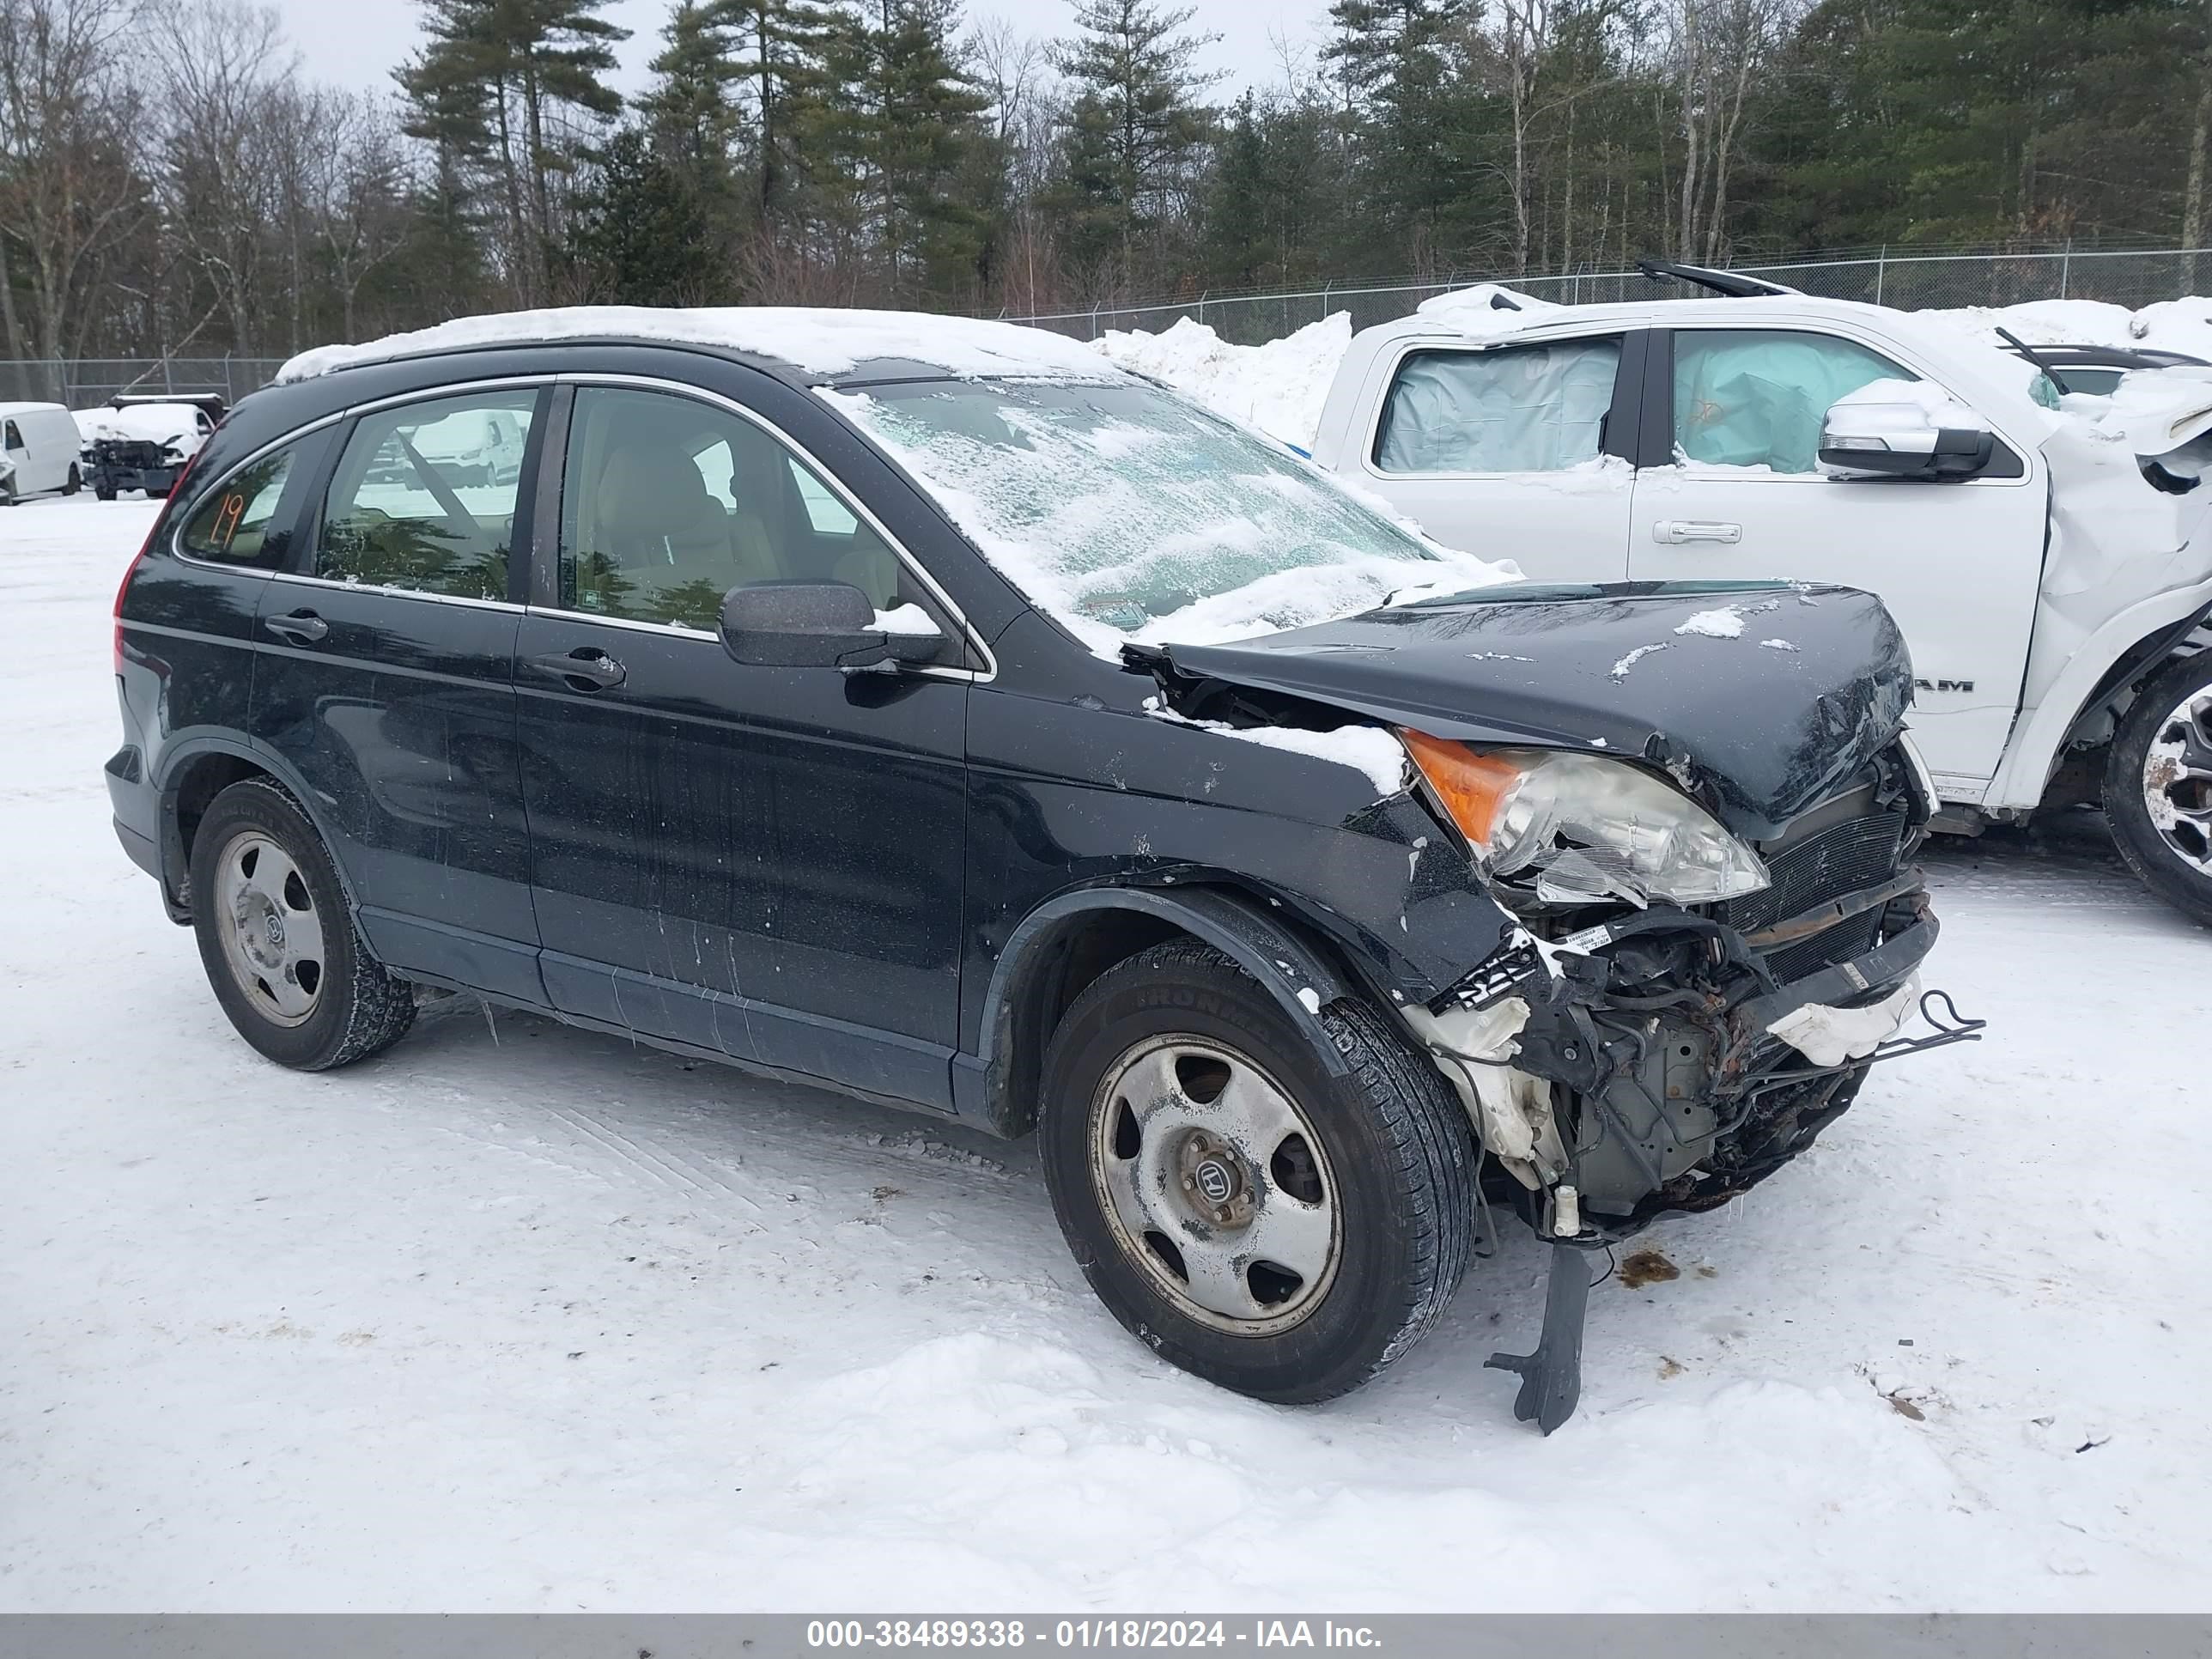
<point x="1247" y="1211"/>
<point x="278" y="940"/>
<point x="2158" y="786"/>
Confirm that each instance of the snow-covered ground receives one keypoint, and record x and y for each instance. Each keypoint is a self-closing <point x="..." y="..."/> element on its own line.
<point x="1280" y="386"/>
<point x="521" y="1317"/>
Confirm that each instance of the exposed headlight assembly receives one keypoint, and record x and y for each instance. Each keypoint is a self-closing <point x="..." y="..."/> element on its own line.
<point x="1584" y="828"/>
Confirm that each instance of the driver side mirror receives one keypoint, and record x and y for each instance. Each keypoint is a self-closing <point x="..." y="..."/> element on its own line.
<point x="1900" y="440"/>
<point x="823" y="625"/>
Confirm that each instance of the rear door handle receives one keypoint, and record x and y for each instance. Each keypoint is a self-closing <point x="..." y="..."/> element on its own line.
<point x="586" y="668"/>
<point x="302" y="627"/>
<point x="1673" y="533"/>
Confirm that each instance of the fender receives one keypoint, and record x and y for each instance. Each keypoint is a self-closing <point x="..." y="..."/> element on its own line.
<point x="1270" y="948"/>
<point x="2040" y="734"/>
<point x="177" y="755"/>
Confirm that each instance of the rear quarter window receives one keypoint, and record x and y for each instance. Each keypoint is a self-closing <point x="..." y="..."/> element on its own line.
<point x="249" y="519"/>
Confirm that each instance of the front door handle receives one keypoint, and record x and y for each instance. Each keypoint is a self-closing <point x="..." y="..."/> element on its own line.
<point x="586" y="668"/>
<point x="301" y="627"/>
<point x="1673" y="533"/>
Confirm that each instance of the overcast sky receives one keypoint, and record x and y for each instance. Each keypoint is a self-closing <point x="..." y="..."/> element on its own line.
<point x="358" y="42"/>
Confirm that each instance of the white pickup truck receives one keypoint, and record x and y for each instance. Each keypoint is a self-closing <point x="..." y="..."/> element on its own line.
<point x="2047" y="556"/>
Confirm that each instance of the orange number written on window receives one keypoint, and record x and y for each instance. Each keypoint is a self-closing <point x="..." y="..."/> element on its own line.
<point x="226" y="521"/>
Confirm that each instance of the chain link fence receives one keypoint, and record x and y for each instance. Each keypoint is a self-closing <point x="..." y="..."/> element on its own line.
<point x="90" y="381"/>
<point x="2133" y="278"/>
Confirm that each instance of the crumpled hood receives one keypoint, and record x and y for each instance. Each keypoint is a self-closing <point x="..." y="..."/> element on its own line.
<point x="1762" y="697"/>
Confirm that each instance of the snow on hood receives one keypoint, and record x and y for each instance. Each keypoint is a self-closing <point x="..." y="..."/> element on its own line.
<point x="2183" y="326"/>
<point x="159" y="423"/>
<point x="2156" y="411"/>
<point x="1278" y="388"/>
<point x="822" y="341"/>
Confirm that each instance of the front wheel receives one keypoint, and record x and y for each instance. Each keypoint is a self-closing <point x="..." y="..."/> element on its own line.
<point x="2158" y="786"/>
<point x="1280" y="1219"/>
<point x="74" y="483"/>
<point x="278" y="940"/>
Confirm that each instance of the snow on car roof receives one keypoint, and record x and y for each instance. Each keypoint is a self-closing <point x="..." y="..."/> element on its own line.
<point x="821" y="341"/>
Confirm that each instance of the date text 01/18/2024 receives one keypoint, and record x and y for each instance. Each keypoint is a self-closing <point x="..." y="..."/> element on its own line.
<point x="1122" y="1633"/>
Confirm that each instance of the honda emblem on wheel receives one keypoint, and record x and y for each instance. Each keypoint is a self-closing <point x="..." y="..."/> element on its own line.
<point x="1214" y="1180"/>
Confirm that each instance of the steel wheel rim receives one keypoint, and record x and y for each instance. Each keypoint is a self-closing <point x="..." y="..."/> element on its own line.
<point x="272" y="935"/>
<point x="1214" y="1185"/>
<point x="2177" y="781"/>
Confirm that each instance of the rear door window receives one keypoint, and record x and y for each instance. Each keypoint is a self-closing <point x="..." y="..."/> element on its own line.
<point x="1523" y="409"/>
<point x="423" y="498"/>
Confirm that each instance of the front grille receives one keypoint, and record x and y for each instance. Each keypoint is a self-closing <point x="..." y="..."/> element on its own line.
<point x="126" y="451"/>
<point x="1856" y="854"/>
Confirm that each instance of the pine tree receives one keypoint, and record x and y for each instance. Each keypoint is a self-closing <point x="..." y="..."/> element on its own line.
<point x="928" y="132"/>
<point x="507" y="80"/>
<point x="1401" y="65"/>
<point x="641" y="235"/>
<point x="690" y="108"/>
<point x="1137" y="130"/>
<point x="779" y="46"/>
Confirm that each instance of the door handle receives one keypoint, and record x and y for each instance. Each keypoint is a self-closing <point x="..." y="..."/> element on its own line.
<point x="1673" y="533"/>
<point x="587" y="668"/>
<point x="302" y="627"/>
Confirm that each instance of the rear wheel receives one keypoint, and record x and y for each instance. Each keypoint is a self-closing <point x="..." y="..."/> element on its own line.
<point x="2158" y="786"/>
<point x="1279" y="1220"/>
<point x="278" y="940"/>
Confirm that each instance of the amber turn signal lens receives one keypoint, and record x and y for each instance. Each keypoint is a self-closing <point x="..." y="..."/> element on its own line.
<point x="1473" y="788"/>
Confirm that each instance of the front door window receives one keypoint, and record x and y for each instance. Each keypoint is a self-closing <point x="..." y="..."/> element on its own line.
<point x="669" y="503"/>
<point x="1756" y="397"/>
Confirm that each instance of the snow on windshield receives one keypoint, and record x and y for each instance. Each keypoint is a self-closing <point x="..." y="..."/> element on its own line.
<point x="1130" y="514"/>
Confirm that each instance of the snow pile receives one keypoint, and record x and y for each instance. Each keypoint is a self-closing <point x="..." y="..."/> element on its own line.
<point x="1277" y="388"/>
<point x="818" y="340"/>
<point x="1725" y="623"/>
<point x="1486" y="309"/>
<point x="1281" y="387"/>
<point x="1368" y="749"/>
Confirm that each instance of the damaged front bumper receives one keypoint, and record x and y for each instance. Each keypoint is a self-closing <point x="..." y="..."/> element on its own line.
<point x="1656" y="1064"/>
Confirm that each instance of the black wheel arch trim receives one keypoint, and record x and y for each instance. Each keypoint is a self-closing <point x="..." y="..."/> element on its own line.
<point x="995" y="1089"/>
<point x="177" y="760"/>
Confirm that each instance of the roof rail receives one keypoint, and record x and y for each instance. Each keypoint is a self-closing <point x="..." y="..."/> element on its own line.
<point x="1731" y="283"/>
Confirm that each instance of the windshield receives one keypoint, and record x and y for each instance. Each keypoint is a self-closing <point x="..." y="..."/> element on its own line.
<point x="1129" y="512"/>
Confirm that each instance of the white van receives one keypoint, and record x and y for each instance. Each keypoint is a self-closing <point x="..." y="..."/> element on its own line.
<point x="38" y="446"/>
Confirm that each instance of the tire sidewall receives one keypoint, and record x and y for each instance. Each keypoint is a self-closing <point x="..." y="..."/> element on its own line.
<point x="316" y="1041"/>
<point x="1346" y="1336"/>
<point x="2157" y="865"/>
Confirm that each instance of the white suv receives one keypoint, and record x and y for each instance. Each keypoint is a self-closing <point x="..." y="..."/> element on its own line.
<point x="2051" y="582"/>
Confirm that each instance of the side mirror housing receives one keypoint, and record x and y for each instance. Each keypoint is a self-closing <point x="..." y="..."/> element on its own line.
<point x="1900" y="440"/>
<point x="823" y="625"/>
